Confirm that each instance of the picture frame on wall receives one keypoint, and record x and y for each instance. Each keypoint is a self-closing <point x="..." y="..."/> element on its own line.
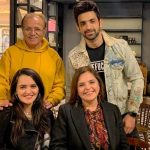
<point x="4" y="38"/>
<point x="52" y="40"/>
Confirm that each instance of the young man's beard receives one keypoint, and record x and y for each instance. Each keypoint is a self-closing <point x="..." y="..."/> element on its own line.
<point x="93" y="36"/>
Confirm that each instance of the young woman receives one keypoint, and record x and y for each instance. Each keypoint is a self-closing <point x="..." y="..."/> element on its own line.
<point x="27" y="124"/>
<point x="88" y="122"/>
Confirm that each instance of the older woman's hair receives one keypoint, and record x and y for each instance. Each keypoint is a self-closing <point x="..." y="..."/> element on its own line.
<point x="85" y="6"/>
<point x="74" y="85"/>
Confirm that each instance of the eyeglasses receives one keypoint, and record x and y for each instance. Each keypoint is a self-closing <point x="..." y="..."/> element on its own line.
<point x="36" y="29"/>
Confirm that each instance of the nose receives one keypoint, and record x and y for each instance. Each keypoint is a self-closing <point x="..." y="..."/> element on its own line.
<point x="28" y="90"/>
<point x="87" y="86"/>
<point x="32" y="31"/>
<point x="88" y="25"/>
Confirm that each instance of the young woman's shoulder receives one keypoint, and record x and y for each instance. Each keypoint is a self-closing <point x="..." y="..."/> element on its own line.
<point x="6" y="112"/>
<point x="66" y="106"/>
<point x="50" y="117"/>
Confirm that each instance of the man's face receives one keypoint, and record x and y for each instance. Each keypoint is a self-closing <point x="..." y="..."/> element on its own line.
<point x="33" y="31"/>
<point x="89" y="25"/>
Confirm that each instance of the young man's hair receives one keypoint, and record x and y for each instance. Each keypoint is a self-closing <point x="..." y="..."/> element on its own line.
<point x="85" y="6"/>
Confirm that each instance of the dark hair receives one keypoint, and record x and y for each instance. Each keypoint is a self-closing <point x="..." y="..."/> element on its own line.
<point x="38" y="110"/>
<point x="31" y="73"/>
<point x="85" y="6"/>
<point x="74" y="92"/>
<point x="33" y="14"/>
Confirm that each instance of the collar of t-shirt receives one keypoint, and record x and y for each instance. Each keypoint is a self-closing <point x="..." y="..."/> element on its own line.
<point x="96" y="56"/>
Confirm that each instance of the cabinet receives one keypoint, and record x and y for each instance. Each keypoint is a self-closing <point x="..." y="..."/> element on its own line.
<point x="55" y="26"/>
<point x="124" y="20"/>
<point x="52" y="24"/>
<point x="128" y="28"/>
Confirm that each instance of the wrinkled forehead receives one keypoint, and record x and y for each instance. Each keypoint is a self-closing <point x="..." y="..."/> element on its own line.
<point x="33" y="17"/>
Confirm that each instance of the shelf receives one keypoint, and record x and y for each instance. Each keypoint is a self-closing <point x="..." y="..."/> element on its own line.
<point x="128" y="28"/>
<point x="121" y="17"/>
<point x="122" y="24"/>
<point x="135" y="44"/>
<point x="18" y="26"/>
<point x="123" y="30"/>
<point x="35" y="8"/>
<point x="22" y="4"/>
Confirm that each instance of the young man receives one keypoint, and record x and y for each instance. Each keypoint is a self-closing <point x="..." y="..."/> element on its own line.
<point x="33" y="52"/>
<point x="112" y="58"/>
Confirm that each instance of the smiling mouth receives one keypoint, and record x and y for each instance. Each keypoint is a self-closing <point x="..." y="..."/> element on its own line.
<point x="89" y="33"/>
<point x="29" y="97"/>
<point x="89" y="93"/>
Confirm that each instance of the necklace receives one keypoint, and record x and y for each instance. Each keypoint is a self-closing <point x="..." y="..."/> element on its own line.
<point x="28" y="115"/>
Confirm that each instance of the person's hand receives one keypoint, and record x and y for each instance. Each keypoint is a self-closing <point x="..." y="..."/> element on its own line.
<point x="4" y="103"/>
<point x="129" y="123"/>
<point x="47" y="104"/>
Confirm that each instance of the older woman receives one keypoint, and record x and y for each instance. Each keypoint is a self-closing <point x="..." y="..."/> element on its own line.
<point x="88" y="122"/>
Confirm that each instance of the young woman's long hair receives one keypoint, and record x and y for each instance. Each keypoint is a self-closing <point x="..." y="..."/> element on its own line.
<point x="38" y="111"/>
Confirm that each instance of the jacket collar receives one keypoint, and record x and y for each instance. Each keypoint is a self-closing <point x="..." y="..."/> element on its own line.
<point x="78" y="118"/>
<point x="107" y="112"/>
<point x="109" y="41"/>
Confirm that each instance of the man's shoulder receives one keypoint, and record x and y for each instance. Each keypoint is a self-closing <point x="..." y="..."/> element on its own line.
<point x="75" y="51"/>
<point x="66" y="106"/>
<point x="52" y="52"/>
<point x="11" y="49"/>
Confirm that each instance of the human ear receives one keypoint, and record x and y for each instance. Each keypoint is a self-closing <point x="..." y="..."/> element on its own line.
<point x="77" y="27"/>
<point x="101" y="23"/>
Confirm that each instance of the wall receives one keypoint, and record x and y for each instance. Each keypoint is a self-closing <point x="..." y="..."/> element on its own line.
<point x="146" y="35"/>
<point x="71" y="37"/>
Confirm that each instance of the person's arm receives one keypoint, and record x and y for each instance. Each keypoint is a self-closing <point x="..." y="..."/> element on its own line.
<point x="4" y="80"/>
<point x="59" y="132"/>
<point x="134" y="75"/>
<point x="57" y="92"/>
<point x="4" y="103"/>
<point x="69" y="74"/>
<point x="5" y="119"/>
<point x="129" y="123"/>
<point x="123" y="138"/>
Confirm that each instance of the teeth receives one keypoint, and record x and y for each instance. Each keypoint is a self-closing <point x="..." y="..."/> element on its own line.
<point x="89" y="93"/>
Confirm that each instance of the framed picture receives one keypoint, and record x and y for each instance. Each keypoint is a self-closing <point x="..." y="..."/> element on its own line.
<point x="52" y="40"/>
<point x="21" y="1"/>
<point x="52" y="25"/>
<point x="4" y="38"/>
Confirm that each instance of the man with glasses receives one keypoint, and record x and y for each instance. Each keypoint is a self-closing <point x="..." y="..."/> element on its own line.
<point x="33" y="52"/>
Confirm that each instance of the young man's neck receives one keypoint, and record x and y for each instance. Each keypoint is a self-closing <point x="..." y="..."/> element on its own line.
<point x="97" y="42"/>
